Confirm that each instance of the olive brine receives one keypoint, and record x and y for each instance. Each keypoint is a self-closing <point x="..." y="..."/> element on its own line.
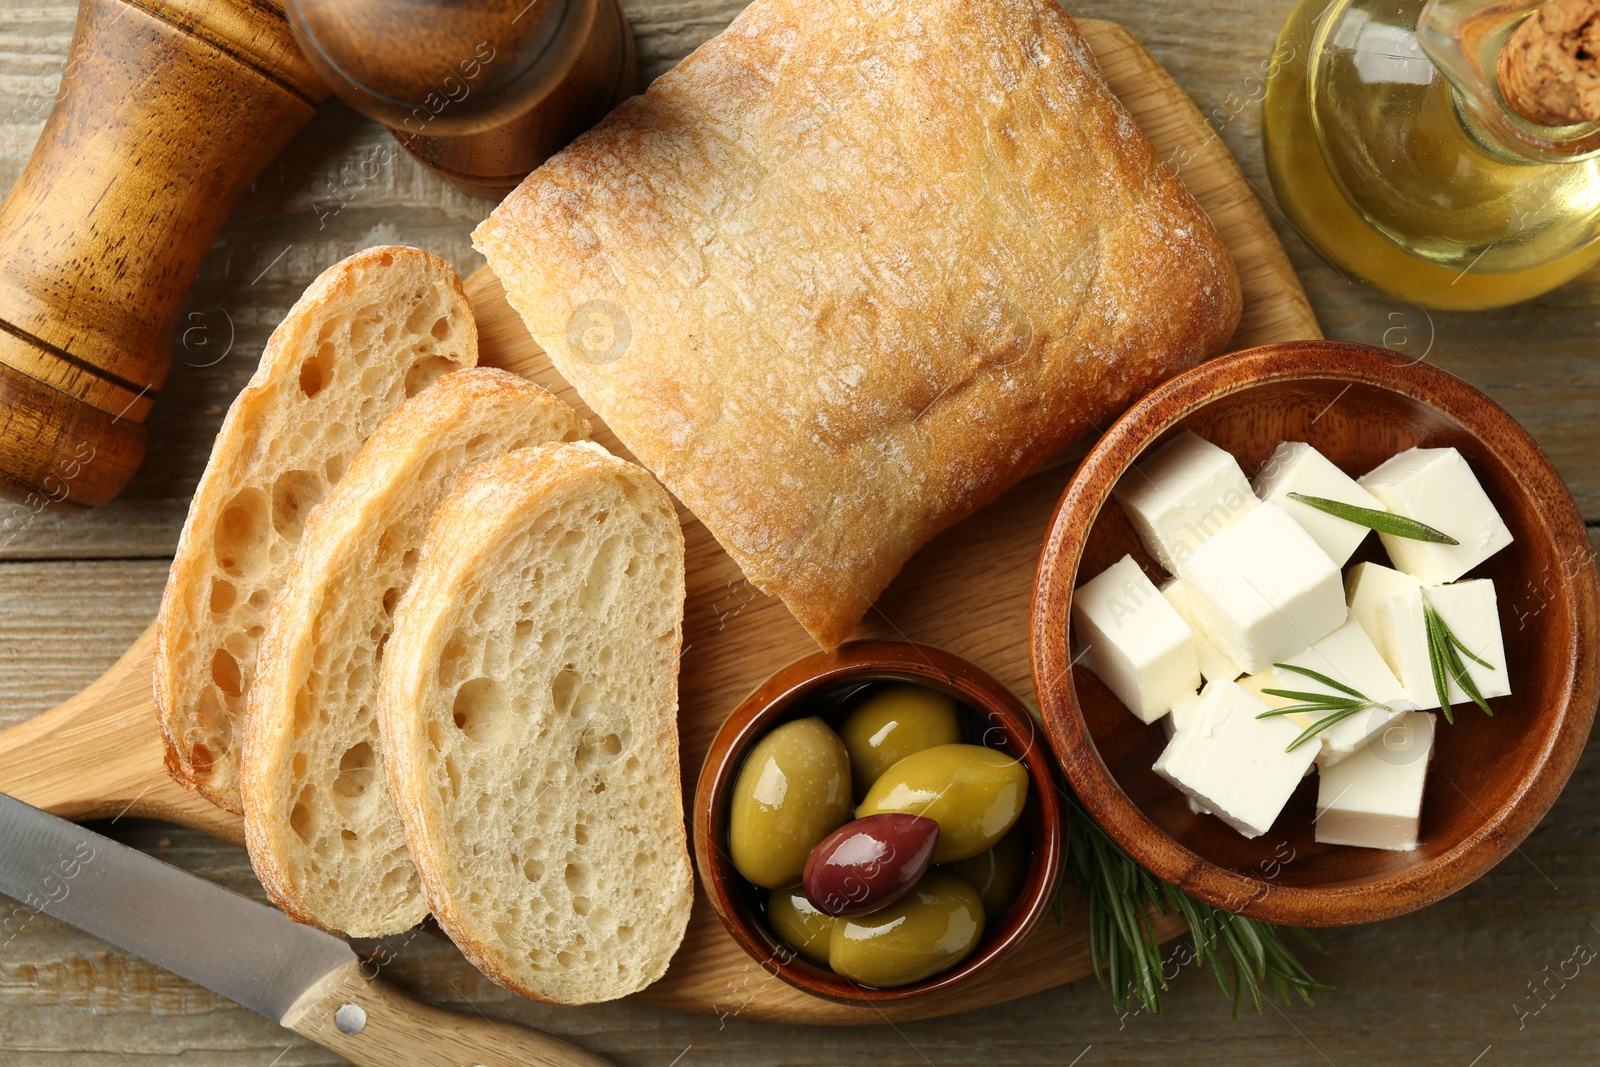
<point x="887" y="846"/>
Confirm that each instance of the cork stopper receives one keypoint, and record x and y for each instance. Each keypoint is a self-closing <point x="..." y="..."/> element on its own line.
<point x="1549" y="70"/>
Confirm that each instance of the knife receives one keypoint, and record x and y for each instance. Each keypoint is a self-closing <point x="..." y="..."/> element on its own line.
<point x="309" y="981"/>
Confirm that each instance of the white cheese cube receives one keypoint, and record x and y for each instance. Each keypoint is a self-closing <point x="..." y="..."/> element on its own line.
<point x="1435" y="486"/>
<point x="1472" y="613"/>
<point x="1296" y="467"/>
<point x="1347" y="655"/>
<point x="1234" y="763"/>
<point x="1263" y="589"/>
<point x="1182" y="714"/>
<point x="1134" y="641"/>
<point x="1370" y="584"/>
<point x="1215" y="664"/>
<point x="1374" y="798"/>
<point x="1256" y="684"/>
<point x="1183" y="494"/>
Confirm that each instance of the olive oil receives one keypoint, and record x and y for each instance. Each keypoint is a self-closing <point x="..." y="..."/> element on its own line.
<point x="1380" y="160"/>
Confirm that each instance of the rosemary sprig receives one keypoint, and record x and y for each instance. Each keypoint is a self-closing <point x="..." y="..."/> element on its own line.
<point x="1382" y="521"/>
<point x="1338" y="708"/>
<point x="1246" y="955"/>
<point x="1444" y="657"/>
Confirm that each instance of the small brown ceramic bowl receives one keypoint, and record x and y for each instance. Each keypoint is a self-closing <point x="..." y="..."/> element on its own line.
<point x="824" y="684"/>
<point x="1491" y="780"/>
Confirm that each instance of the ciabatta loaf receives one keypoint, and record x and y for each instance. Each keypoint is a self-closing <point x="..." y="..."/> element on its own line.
<point x="369" y="332"/>
<point x="850" y="270"/>
<point x="323" y="835"/>
<point x="529" y="721"/>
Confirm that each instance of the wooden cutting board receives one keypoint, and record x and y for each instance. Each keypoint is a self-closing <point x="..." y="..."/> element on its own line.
<point x="99" y="754"/>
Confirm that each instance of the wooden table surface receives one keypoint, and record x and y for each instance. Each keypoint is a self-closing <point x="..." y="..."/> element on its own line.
<point x="1498" y="974"/>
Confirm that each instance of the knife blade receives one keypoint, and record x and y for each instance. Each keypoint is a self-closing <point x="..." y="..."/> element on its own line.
<point x="252" y="954"/>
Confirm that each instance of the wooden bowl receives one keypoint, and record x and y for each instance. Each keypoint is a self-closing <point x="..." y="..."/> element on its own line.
<point x="999" y="720"/>
<point x="1491" y="780"/>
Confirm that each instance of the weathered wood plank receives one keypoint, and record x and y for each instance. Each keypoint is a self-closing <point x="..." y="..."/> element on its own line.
<point x="312" y="207"/>
<point x="1438" y="987"/>
<point x="1458" y="972"/>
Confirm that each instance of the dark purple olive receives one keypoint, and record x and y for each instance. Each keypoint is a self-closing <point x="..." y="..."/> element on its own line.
<point x="868" y="863"/>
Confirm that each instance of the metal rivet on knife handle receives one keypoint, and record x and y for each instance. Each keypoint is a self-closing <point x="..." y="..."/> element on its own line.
<point x="350" y="1019"/>
<point x="250" y="953"/>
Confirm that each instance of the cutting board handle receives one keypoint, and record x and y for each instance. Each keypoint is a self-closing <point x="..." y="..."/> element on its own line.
<point x="167" y="112"/>
<point x="99" y="754"/>
<point x="372" y="1024"/>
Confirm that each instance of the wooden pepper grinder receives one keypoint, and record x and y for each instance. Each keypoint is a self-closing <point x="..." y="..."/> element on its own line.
<point x="481" y="93"/>
<point x="168" y="110"/>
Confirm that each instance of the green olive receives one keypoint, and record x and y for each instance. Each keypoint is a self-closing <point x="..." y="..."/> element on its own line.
<point x="929" y="930"/>
<point x="799" y="924"/>
<point x="895" y="721"/>
<point x="996" y="874"/>
<point x="793" y="790"/>
<point x="974" y="793"/>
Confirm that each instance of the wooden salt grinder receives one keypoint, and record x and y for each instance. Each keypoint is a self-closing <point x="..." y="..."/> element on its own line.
<point x="168" y="110"/>
<point x="481" y="92"/>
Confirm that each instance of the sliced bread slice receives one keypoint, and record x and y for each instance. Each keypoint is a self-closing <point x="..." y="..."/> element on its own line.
<point x="369" y="332"/>
<point x="529" y="709"/>
<point x="322" y="833"/>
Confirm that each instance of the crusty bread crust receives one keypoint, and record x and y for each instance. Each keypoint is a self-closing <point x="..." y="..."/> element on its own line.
<point x="529" y="712"/>
<point x="851" y="270"/>
<point x="368" y="332"/>
<point x="323" y="836"/>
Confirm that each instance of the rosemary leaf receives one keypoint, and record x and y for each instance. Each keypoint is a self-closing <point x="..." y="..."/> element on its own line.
<point x="1245" y="955"/>
<point x="1456" y="641"/>
<point x="1319" y="677"/>
<point x="1313" y="698"/>
<point x="1311" y="709"/>
<point x="1444" y="657"/>
<point x="1436" y="646"/>
<point x="1458" y="671"/>
<point x="1339" y="708"/>
<point x="1322" y="724"/>
<point x="1382" y="521"/>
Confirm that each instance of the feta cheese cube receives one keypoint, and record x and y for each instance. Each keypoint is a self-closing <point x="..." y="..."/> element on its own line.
<point x="1296" y="467"/>
<point x="1347" y="655"/>
<point x="1370" y="584"/>
<point x="1234" y="763"/>
<point x="1263" y="589"/>
<point x="1183" y="494"/>
<point x="1134" y="641"/>
<point x="1374" y="798"/>
<point x="1435" y="486"/>
<point x="1472" y="613"/>
<point x="1256" y="684"/>
<point x="1215" y="664"/>
<point x="1181" y="715"/>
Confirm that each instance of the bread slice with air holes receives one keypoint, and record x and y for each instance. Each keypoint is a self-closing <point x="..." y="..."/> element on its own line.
<point x="372" y="330"/>
<point x="529" y="708"/>
<point x="323" y="835"/>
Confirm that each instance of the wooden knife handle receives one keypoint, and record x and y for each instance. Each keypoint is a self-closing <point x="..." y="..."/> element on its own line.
<point x="168" y="110"/>
<point x="372" y="1024"/>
